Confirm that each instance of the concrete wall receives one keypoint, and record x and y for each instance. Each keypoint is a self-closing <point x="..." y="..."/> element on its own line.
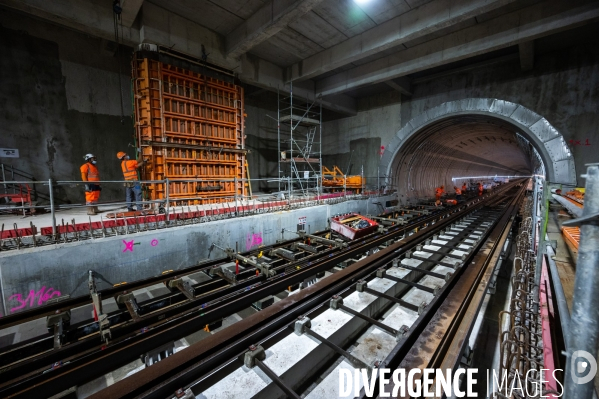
<point x="261" y="140"/>
<point x="562" y="87"/>
<point x="355" y="142"/>
<point x="60" y="99"/>
<point x="38" y="273"/>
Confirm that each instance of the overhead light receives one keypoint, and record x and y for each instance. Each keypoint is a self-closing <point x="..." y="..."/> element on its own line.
<point x="361" y="2"/>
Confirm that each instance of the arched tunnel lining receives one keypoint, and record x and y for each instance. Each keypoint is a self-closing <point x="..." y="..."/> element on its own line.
<point x="457" y="147"/>
<point x="434" y="138"/>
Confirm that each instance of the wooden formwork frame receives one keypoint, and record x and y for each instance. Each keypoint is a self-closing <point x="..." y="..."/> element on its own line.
<point x="189" y="127"/>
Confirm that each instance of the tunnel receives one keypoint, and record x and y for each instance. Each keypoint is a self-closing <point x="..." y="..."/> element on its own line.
<point x="473" y="140"/>
<point x="242" y="199"/>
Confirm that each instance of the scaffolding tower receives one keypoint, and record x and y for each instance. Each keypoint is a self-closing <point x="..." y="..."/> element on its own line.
<point x="299" y="145"/>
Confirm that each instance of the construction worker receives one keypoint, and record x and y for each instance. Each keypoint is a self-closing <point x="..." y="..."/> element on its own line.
<point x="458" y="193"/>
<point x="89" y="173"/>
<point x="480" y="189"/>
<point x="133" y="185"/>
<point x="439" y="192"/>
<point x="464" y="188"/>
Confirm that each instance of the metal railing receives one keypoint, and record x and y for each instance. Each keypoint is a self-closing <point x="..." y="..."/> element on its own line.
<point x="157" y="213"/>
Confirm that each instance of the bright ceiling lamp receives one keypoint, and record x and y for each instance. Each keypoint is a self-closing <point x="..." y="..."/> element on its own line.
<point x="362" y="2"/>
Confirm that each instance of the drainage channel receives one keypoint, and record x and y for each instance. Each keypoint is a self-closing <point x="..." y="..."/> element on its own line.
<point x="355" y="329"/>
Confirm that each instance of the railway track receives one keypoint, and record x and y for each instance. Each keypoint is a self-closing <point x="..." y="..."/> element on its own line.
<point x="84" y="357"/>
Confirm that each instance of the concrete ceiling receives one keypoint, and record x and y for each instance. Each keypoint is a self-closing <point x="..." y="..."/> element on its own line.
<point x="328" y="48"/>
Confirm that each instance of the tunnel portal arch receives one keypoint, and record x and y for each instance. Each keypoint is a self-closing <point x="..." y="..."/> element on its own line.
<point x="549" y="143"/>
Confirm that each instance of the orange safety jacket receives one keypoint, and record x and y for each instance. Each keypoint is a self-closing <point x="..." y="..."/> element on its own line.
<point x="90" y="171"/>
<point x="464" y="188"/>
<point x="129" y="168"/>
<point x="480" y="188"/>
<point x="439" y="191"/>
<point x="458" y="191"/>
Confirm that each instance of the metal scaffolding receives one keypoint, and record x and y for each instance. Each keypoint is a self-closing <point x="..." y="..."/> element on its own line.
<point x="299" y="134"/>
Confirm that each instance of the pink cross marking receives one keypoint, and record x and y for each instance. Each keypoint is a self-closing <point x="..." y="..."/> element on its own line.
<point x="128" y="245"/>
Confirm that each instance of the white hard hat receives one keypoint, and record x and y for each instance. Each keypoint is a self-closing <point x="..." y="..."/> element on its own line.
<point x="89" y="156"/>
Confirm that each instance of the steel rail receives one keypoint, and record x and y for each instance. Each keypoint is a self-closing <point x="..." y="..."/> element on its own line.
<point x="128" y="330"/>
<point x="86" y="329"/>
<point x="71" y="303"/>
<point x="184" y="367"/>
<point x="452" y="322"/>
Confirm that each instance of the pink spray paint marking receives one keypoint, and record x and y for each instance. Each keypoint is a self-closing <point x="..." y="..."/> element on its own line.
<point x="154" y="242"/>
<point x="42" y="296"/>
<point x="253" y="240"/>
<point x="128" y="245"/>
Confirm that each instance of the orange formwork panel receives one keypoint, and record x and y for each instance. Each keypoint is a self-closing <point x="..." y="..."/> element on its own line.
<point x="572" y="235"/>
<point x="189" y="126"/>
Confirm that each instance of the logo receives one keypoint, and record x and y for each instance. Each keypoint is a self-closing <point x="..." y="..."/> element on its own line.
<point x="582" y="362"/>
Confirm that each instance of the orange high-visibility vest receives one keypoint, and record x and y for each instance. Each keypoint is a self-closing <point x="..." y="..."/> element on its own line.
<point x="480" y="187"/>
<point x="90" y="171"/>
<point x="438" y="191"/>
<point x="458" y="191"/>
<point x="464" y="188"/>
<point x="129" y="168"/>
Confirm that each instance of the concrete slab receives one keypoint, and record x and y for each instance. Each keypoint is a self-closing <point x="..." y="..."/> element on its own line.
<point x="329" y="387"/>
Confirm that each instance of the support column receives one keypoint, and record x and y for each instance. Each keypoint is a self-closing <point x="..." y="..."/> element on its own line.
<point x="584" y="324"/>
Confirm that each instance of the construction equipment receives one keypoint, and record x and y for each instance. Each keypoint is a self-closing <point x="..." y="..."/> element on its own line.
<point x="336" y="179"/>
<point x="353" y="225"/>
<point x="20" y="196"/>
<point x="576" y="195"/>
<point x="189" y="120"/>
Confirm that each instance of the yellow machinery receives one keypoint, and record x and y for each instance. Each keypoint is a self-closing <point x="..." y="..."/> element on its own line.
<point x="337" y="180"/>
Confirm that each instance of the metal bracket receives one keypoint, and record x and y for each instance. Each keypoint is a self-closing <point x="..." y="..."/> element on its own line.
<point x="589" y="219"/>
<point x="57" y="322"/>
<point x="158" y="354"/>
<point x="301" y="325"/>
<point x="187" y="394"/>
<point x="182" y="285"/>
<point x="103" y="321"/>
<point x="360" y="285"/>
<point x="128" y="299"/>
<point x="403" y="330"/>
<point x="336" y="302"/>
<point x="255" y="352"/>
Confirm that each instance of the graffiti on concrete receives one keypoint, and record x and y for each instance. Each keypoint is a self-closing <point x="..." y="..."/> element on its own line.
<point x="253" y="240"/>
<point x="154" y="242"/>
<point x="128" y="245"/>
<point x="42" y="295"/>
